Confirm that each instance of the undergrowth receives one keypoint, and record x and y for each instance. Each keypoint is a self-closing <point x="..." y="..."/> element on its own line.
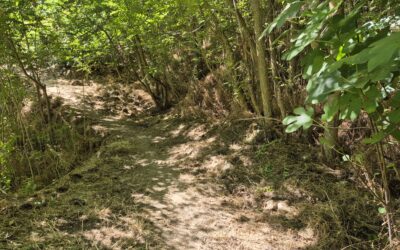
<point x="338" y="209"/>
<point x="45" y="152"/>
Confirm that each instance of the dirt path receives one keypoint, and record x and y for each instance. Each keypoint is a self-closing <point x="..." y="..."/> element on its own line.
<point x="151" y="186"/>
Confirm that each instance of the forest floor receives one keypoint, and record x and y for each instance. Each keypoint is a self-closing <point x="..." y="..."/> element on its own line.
<point x="157" y="182"/>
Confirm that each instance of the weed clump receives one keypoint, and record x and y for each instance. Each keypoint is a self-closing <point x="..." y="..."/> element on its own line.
<point x="47" y="150"/>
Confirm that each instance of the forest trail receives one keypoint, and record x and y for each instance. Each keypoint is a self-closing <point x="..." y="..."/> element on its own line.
<point x="152" y="185"/>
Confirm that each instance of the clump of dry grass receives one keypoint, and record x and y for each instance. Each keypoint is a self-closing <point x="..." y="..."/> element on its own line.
<point x="50" y="150"/>
<point x="207" y="97"/>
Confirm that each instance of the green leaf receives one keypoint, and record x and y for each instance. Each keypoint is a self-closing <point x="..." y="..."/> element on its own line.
<point x="350" y="106"/>
<point x="289" y="55"/>
<point x="303" y="118"/>
<point x="359" y="79"/>
<point x="345" y="25"/>
<point x="340" y="54"/>
<point x="309" y="34"/>
<point x="394" y="116"/>
<point x="349" y="22"/>
<point x="395" y="100"/>
<point x="382" y="210"/>
<point x="319" y="87"/>
<point x="331" y="108"/>
<point x="383" y="51"/>
<point x="371" y="99"/>
<point x="359" y="58"/>
<point x="289" y="11"/>
<point x="312" y="63"/>
<point x="382" y="73"/>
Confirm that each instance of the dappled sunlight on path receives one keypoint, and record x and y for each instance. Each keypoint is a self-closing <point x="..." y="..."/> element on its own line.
<point x="152" y="185"/>
<point x="188" y="209"/>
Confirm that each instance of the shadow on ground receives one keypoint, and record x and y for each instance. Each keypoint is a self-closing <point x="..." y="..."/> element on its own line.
<point x="157" y="182"/>
<point x="151" y="186"/>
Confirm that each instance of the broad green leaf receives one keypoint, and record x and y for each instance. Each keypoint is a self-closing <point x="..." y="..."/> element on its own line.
<point x="383" y="51"/>
<point x="350" y="106"/>
<point x="289" y="11"/>
<point x="382" y="73"/>
<point x="349" y="22"/>
<point x="331" y="108"/>
<point x="310" y="33"/>
<point x="312" y="63"/>
<point x="303" y="118"/>
<point x="359" y="58"/>
<point x="319" y="87"/>
<point x="371" y="99"/>
<point x="395" y="100"/>
<point x="359" y="79"/>
<point x="394" y="116"/>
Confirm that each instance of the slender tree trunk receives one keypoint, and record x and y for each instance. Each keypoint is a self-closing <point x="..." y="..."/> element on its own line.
<point x="231" y="61"/>
<point x="148" y="81"/>
<point x="246" y="36"/>
<point x="278" y="92"/>
<point x="40" y="87"/>
<point x="330" y="135"/>
<point x="265" y="87"/>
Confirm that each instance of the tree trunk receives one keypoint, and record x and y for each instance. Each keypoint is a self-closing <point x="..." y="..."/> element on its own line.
<point x="265" y="88"/>
<point x="249" y="43"/>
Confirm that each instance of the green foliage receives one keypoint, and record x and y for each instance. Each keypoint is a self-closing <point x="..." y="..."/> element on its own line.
<point x="351" y="68"/>
<point x="349" y="53"/>
<point x="290" y="10"/>
<point x="311" y="33"/>
<point x="352" y="65"/>
<point x="28" y="187"/>
<point x="12" y="93"/>
<point x="303" y="118"/>
<point x="6" y="149"/>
